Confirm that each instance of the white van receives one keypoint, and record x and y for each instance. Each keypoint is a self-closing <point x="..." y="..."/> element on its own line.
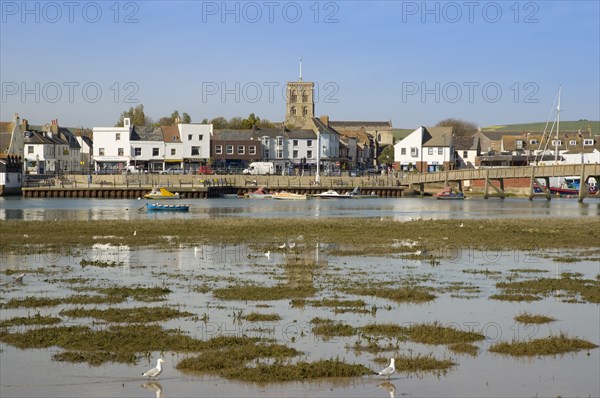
<point x="260" y="168"/>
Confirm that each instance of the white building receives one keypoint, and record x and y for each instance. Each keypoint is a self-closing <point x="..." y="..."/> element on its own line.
<point x="195" y="138"/>
<point x="425" y="150"/>
<point x="112" y="148"/>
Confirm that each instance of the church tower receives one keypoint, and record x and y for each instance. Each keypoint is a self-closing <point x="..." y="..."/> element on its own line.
<point x="299" y="103"/>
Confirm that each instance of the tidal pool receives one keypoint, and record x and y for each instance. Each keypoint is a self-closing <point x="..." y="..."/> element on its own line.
<point x="318" y="282"/>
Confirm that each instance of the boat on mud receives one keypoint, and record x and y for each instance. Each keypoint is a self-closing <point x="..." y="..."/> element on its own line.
<point x="260" y="193"/>
<point x="449" y="194"/>
<point x="284" y="195"/>
<point x="161" y="193"/>
<point x="332" y="194"/>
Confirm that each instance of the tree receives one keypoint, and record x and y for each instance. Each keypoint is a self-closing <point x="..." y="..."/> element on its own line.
<point x="235" y="123"/>
<point x="387" y="155"/>
<point x="251" y="121"/>
<point x="205" y="121"/>
<point x="172" y="120"/>
<point x="219" y="123"/>
<point x="137" y="116"/>
<point x="459" y="127"/>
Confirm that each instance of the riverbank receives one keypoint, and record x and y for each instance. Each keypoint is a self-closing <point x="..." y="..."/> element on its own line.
<point x="378" y="236"/>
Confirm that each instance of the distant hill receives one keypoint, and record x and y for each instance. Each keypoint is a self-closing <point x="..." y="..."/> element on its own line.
<point x="539" y="126"/>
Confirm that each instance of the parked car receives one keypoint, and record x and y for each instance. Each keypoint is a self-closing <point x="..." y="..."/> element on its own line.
<point x="172" y="170"/>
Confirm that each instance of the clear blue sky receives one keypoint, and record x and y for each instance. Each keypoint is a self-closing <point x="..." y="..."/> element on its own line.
<point x="412" y="62"/>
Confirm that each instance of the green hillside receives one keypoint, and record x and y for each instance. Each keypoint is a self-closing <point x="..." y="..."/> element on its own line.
<point x="539" y="126"/>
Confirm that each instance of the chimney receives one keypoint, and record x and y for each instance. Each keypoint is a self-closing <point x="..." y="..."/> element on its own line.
<point x="54" y="126"/>
<point x="126" y="122"/>
<point x="177" y="120"/>
<point x="24" y="125"/>
<point x="325" y="120"/>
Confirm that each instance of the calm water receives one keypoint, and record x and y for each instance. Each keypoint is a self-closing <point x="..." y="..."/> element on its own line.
<point x="32" y="372"/>
<point x="399" y="209"/>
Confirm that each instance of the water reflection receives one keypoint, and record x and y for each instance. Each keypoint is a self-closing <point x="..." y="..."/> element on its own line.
<point x="154" y="386"/>
<point x="389" y="387"/>
<point x="400" y="209"/>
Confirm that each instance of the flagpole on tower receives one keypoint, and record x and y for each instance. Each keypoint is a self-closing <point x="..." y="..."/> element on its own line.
<point x="300" y="68"/>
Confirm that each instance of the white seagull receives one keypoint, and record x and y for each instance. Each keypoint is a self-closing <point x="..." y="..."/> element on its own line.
<point x="154" y="372"/>
<point x="19" y="278"/>
<point x="390" y="370"/>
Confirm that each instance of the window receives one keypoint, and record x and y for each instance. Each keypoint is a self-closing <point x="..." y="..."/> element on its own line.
<point x="241" y="150"/>
<point x="30" y="149"/>
<point x="120" y="151"/>
<point x="200" y="137"/>
<point x="465" y="154"/>
<point x="279" y="141"/>
<point x="266" y="154"/>
<point x="279" y="154"/>
<point x="573" y="143"/>
<point x="218" y="149"/>
<point x="414" y="152"/>
<point x="174" y="138"/>
<point x="117" y="136"/>
<point x="440" y="151"/>
<point x="173" y="151"/>
<point x="155" y="151"/>
<point x="252" y="150"/>
<point x="295" y="143"/>
<point x="265" y="141"/>
<point x="189" y="137"/>
<point x="533" y="142"/>
<point x="293" y="96"/>
<point x="402" y="151"/>
<point x="195" y="151"/>
<point x="309" y="154"/>
<point x="295" y="154"/>
<point x="309" y="143"/>
<point x="588" y="142"/>
<point x="230" y="149"/>
<point x="137" y="151"/>
<point x="555" y="143"/>
<point x="304" y="96"/>
<point x="304" y="111"/>
<point x="430" y="151"/>
<point x="100" y="151"/>
<point x="293" y="111"/>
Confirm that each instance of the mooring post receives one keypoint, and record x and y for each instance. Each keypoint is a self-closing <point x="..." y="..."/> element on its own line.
<point x="583" y="186"/>
<point x="531" y="183"/>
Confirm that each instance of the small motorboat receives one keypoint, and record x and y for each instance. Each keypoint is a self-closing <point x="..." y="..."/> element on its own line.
<point x="357" y="194"/>
<point x="331" y="194"/>
<point x="448" y="194"/>
<point x="289" y="196"/>
<point x="161" y="193"/>
<point x="167" y="207"/>
<point x="258" y="194"/>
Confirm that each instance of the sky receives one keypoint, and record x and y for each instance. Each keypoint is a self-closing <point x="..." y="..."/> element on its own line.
<point x="411" y="62"/>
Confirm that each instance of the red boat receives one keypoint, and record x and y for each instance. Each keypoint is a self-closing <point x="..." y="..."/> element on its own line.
<point x="448" y="194"/>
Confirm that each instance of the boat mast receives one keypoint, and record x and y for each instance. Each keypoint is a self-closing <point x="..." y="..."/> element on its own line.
<point x="557" y="127"/>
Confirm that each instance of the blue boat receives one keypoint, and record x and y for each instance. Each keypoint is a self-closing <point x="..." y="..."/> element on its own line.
<point x="167" y="207"/>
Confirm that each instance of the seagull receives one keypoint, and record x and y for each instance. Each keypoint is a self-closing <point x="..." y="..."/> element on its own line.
<point x="282" y="246"/>
<point x="462" y="225"/>
<point x="19" y="278"/>
<point x="154" y="372"/>
<point x="390" y="370"/>
<point x="135" y="233"/>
